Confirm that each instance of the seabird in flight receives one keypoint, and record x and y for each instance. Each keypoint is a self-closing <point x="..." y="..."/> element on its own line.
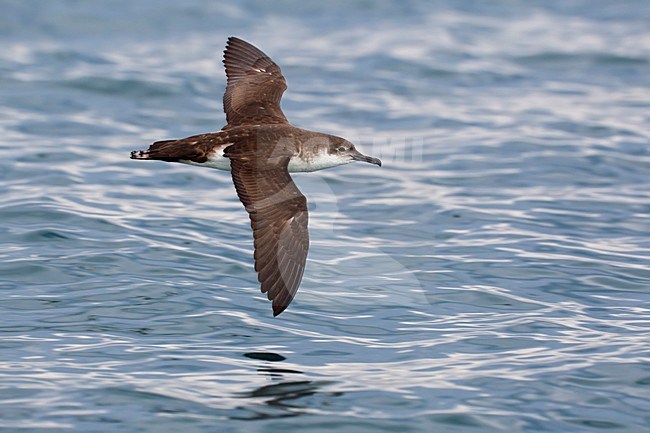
<point x="260" y="148"/>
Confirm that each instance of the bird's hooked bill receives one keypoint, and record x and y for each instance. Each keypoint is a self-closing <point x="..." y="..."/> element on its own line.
<point x="358" y="156"/>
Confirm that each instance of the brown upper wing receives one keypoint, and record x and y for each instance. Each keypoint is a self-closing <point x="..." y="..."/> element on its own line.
<point x="278" y="213"/>
<point x="255" y="86"/>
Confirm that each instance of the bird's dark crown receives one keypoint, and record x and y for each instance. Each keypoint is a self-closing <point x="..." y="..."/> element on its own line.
<point x="338" y="145"/>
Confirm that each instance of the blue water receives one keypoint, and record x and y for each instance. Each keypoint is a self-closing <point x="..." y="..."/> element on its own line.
<point x="492" y="276"/>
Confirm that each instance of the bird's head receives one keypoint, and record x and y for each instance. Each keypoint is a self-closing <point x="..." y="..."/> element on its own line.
<point x="342" y="149"/>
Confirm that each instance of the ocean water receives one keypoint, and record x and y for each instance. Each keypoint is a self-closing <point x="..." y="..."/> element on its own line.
<point x="492" y="276"/>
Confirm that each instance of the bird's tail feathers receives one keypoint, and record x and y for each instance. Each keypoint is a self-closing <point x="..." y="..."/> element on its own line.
<point x="159" y="151"/>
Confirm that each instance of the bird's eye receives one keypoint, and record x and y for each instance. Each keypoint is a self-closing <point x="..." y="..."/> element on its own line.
<point x="342" y="149"/>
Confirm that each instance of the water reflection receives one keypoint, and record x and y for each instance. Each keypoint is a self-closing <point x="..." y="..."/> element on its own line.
<point x="286" y="396"/>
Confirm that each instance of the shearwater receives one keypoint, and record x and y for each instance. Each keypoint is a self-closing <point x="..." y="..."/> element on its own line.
<point x="260" y="148"/>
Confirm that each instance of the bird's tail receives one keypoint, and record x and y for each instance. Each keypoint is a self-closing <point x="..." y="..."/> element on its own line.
<point x="140" y="154"/>
<point x="156" y="152"/>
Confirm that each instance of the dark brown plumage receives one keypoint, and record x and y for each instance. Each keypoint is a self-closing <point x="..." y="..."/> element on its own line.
<point x="258" y="146"/>
<point x="255" y="86"/>
<point x="278" y="213"/>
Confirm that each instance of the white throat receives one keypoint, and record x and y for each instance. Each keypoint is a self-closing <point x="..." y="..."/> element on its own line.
<point x="316" y="162"/>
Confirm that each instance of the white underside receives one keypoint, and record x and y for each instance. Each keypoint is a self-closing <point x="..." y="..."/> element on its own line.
<point x="219" y="162"/>
<point x="296" y="164"/>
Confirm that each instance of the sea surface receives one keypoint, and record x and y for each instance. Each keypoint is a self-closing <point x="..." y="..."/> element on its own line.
<point x="492" y="276"/>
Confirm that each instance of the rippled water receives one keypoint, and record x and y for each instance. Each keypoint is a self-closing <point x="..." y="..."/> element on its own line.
<point x="492" y="276"/>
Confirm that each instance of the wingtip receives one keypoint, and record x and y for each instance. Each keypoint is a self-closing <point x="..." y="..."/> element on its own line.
<point x="277" y="309"/>
<point x="233" y="40"/>
<point x="230" y="44"/>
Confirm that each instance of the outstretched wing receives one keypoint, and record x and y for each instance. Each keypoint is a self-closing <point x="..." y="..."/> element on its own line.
<point x="278" y="213"/>
<point x="255" y="86"/>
